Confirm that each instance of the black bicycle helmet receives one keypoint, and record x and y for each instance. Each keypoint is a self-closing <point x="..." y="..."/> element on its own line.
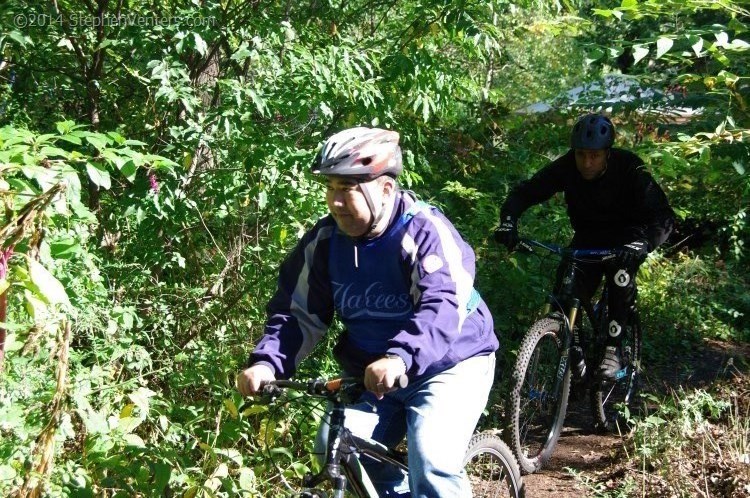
<point x="593" y="131"/>
<point x="364" y="153"/>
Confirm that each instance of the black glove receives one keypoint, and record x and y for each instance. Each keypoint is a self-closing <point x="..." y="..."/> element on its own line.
<point x="633" y="253"/>
<point x="507" y="233"/>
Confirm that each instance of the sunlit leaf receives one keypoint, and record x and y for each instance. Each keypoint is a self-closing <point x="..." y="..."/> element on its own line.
<point x="127" y="410"/>
<point x="232" y="454"/>
<point x="594" y="55"/>
<point x="49" y="287"/>
<point x="134" y="440"/>
<point x="697" y="46"/>
<point x="663" y="45"/>
<point x="141" y="398"/>
<point x="639" y="52"/>
<point x="98" y="175"/>
<point x="247" y="479"/>
<point x="200" y="44"/>
<point x="231" y="408"/>
<point x="722" y="39"/>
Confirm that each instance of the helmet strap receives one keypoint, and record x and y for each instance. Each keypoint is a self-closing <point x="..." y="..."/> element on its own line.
<point x="377" y="213"/>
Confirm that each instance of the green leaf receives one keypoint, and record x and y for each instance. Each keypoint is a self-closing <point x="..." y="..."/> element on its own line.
<point x="663" y="45"/>
<point x="200" y="44"/>
<point x="300" y="469"/>
<point x="738" y="167"/>
<point x="594" y="55"/>
<point x="232" y="454"/>
<point x="4" y="284"/>
<point x="48" y="151"/>
<point x="231" y="408"/>
<point x="254" y="410"/>
<point x="71" y="139"/>
<point x="98" y="175"/>
<point x="241" y="53"/>
<point x="64" y="127"/>
<point x="639" y="52"/>
<point x="49" y="287"/>
<point x="95" y="422"/>
<point x="697" y="46"/>
<point x="65" y="42"/>
<point x="134" y="440"/>
<point x="98" y="141"/>
<point x="8" y="473"/>
<point x="283" y="451"/>
<point x="162" y="474"/>
<point x="738" y="44"/>
<point x="247" y="479"/>
<point x="129" y="170"/>
<point x="141" y="398"/>
<point x="128" y="424"/>
<point x="722" y="39"/>
<point x="736" y="26"/>
<point x="65" y="248"/>
<point x="19" y="38"/>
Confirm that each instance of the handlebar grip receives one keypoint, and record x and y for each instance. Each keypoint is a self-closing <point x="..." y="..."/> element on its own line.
<point x="401" y="381"/>
<point x="269" y="389"/>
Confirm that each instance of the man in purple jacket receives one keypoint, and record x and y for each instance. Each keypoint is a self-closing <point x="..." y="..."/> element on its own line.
<point x="398" y="275"/>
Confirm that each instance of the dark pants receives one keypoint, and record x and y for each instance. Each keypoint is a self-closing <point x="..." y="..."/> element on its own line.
<point x="622" y="292"/>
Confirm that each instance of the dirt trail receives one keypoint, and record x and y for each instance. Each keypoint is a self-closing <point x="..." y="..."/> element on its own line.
<point x="584" y="451"/>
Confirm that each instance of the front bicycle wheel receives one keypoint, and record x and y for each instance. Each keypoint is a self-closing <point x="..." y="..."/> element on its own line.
<point x="491" y="468"/>
<point x="611" y="402"/>
<point x="539" y="398"/>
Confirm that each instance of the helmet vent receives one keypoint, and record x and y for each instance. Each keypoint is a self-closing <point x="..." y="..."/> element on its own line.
<point x="366" y="161"/>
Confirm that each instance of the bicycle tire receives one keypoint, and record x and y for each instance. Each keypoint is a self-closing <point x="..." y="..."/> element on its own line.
<point x="538" y="401"/>
<point x="492" y="469"/>
<point x="610" y="400"/>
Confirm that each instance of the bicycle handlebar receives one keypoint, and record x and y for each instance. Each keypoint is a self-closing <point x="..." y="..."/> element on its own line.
<point x="529" y="244"/>
<point x="320" y="387"/>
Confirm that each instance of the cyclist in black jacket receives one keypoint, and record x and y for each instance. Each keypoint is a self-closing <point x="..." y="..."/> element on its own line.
<point x="612" y="202"/>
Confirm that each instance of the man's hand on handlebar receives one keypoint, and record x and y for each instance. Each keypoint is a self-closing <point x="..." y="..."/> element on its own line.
<point x="633" y="253"/>
<point x="507" y="233"/>
<point x="251" y="380"/>
<point x="381" y="376"/>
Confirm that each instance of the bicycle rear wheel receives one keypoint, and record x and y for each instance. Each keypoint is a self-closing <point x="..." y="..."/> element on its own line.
<point x="539" y="398"/>
<point x="610" y="400"/>
<point x="491" y="468"/>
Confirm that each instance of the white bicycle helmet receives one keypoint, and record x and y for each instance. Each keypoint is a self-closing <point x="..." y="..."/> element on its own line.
<point x="363" y="153"/>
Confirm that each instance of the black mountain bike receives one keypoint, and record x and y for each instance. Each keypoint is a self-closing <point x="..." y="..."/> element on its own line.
<point x="542" y="374"/>
<point x="489" y="463"/>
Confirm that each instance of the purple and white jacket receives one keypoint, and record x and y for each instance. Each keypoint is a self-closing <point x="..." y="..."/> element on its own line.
<point x="408" y="292"/>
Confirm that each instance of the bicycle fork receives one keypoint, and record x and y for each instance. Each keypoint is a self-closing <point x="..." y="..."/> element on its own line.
<point x="332" y="470"/>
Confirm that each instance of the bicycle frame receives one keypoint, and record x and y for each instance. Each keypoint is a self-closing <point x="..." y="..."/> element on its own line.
<point x="563" y="299"/>
<point x="342" y="465"/>
<point x="342" y="455"/>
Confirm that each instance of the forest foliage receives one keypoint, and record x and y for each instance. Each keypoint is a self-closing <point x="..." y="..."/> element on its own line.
<point x="153" y="173"/>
